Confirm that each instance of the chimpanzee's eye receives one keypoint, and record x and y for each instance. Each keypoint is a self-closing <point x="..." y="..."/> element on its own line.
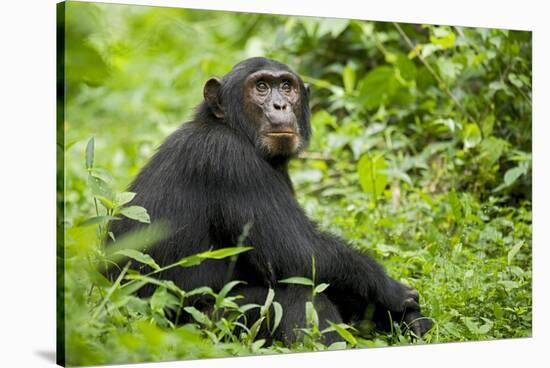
<point x="262" y="86"/>
<point x="286" y="86"/>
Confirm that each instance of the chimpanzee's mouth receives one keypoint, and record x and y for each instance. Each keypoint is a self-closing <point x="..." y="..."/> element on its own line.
<point x="282" y="134"/>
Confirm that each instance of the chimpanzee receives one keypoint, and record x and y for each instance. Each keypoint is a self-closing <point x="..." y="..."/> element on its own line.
<point x="227" y="168"/>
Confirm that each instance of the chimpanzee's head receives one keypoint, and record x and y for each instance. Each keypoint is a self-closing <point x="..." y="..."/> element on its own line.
<point x="267" y="101"/>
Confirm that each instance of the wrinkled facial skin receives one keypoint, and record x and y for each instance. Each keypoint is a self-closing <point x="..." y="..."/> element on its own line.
<point x="272" y="100"/>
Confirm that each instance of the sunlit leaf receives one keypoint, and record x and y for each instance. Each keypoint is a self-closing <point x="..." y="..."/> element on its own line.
<point x="297" y="281"/>
<point x="371" y="169"/>
<point x="139" y="256"/>
<point x="137" y="213"/>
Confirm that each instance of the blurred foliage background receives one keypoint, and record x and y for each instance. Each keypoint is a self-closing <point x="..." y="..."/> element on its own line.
<point x="421" y="155"/>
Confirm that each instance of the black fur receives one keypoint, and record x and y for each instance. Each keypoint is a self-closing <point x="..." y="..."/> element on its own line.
<point x="210" y="178"/>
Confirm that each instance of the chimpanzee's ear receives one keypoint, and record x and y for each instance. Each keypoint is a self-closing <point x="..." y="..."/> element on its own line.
<point x="308" y="89"/>
<point x="211" y="94"/>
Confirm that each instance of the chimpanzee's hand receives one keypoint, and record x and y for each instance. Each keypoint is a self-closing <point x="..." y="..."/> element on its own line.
<point x="403" y="303"/>
<point x="398" y="297"/>
<point x="417" y="323"/>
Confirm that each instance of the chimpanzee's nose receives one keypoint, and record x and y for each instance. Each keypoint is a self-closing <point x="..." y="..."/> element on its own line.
<point x="279" y="105"/>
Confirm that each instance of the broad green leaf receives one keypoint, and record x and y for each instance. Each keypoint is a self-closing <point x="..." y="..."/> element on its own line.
<point x="124" y="197"/>
<point x="333" y="26"/>
<point x="348" y="78"/>
<point x="311" y="314"/>
<point x="471" y="135"/>
<point x="140" y="257"/>
<point x="320" y="288"/>
<point x="406" y="67"/>
<point x="443" y="37"/>
<point x="161" y="299"/>
<point x="513" y="78"/>
<point x="297" y="281"/>
<point x="106" y="202"/>
<point x="227" y="288"/>
<point x="515" y="249"/>
<point x="448" y="69"/>
<point x="377" y="86"/>
<point x="346" y="335"/>
<point x="278" y="315"/>
<point x="257" y="345"/>
<point x="491" y="149"/>
<point x="198" y="316"/>
<point x="339" y="345"/>
<point x="99" y="187"/>
<point x="203" y="290"/>
<point x="102" y="174"/>
<point x="372" y="177"/>
<point x="322" y="118"/>
<point x="486" y="328"/>
<point x="90" y="153"/>
<point x="137" y="213"/>
<point x="255" y="328"/>
<point x="512" y="175"/>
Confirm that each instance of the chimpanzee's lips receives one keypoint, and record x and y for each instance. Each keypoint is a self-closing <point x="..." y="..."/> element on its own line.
<point x="281" y="133"/>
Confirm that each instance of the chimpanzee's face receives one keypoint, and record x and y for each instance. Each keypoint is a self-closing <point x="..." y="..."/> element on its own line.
<point x="272" y="102"/>
<point x="266" y="101"/>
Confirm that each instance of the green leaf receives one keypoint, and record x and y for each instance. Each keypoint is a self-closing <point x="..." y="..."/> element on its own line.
<point x="224" y="252"/>
<point x="257" y="345"/>
<point x="102" y="174"/>
<point x="311" y="314"/>
<point x="189" y="261"/>
<point x="515" y="249"/>
<point x="227" y="288"/>
<point x="320" y="288"/>
<point x="107" y="203"/>
<point x="97" y="220"/>
<point x="140" y="257"/>
<point x="512" y="175"/>
<point x="406" y="67"/>
<point x="346" y="335"/>
<point x="161" y="299"/>
<point x="513" y="78"/>
<point x="339" y="345"/>
<point x="278" y="311"/>
<point x="471" y="135"/>
<point x="137" y="213"/>
<point x="90" y="153"/>
<point x="197" y="259"/>
<point x="297" y="281"/>
<point x="444" y="38"/>
<point x="124" y="197"/>
<point x="333" y="26"/>
<point x="268" y="300"/>
<point x="491" y="149"/>
<point x="198" y="316"/>
<point x="372" y="177"/>
<point x="377" y="86"/>
<point x="348" y="78"/>
<point x="255" y="328"/>
<point x="99" y="187"/>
